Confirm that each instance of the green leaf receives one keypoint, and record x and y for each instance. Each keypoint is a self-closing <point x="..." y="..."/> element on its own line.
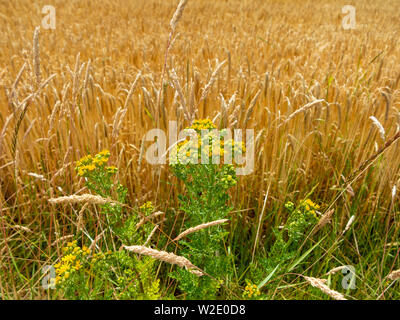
<point x="299" y="260"/>
<point x="262" y="283"/>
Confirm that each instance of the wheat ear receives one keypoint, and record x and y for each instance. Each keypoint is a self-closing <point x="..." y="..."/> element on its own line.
<point x="36" y="56"/>
<point x="177" y="15"/>
<point x="377" y="124"/>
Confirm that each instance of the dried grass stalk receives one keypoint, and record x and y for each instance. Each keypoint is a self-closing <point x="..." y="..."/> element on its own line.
<point x="62" y="239"/>
<point x="151" y="216"/>
<point x="166" y="257"/>
<point x="96" y="239"/>
<point x="151" y="235"/>
<point x="320" y="284"/>
<point x="19" y="227"/>
<point x="79" y="199"/>
<point x="200" y="227"/>
<point x="337" y="269"/>
<point x="325" y="219"/>
<point x="394" y="275"/>
<point x="80" y="216"/>
<point x="349" y="223"/>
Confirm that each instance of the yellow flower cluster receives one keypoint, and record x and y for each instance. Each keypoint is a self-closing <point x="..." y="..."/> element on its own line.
<point x="71" y="261"/>
<point x="251" y="291"/>
<point x="229" y="181"/>
<point x="202" y="124"/>
<point x="89" y="163"/>
<point x="229" y="178"/>
<point x="147" y="207"/>
<point x="310" y="206"/>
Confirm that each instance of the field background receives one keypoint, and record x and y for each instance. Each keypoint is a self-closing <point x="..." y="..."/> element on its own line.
<point x="280" y="56"/>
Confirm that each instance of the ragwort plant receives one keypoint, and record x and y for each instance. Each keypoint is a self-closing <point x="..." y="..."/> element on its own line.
<point x="95" y="272"/>
<point x="205" y="200"/>
<point x="288" y="239"/>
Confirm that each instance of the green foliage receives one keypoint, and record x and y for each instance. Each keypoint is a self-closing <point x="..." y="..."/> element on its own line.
<point x="137" y="280"/>
<point x="288" y="239"/>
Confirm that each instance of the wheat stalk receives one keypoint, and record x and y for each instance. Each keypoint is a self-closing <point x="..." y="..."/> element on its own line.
<point x="131" y="90"/>
<point x="303" y="108"/>
<point x="14" y="86"/>
<point x="173" y="23"/>
<point x="381" y="129"/>
<point x="85" y="81"/>
<point x="250" y="110"/>
<point x="36" y="56"/>
<point x="210" y="83"/>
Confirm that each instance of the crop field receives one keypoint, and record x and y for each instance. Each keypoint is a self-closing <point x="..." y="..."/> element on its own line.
<point x="197" y="149"/>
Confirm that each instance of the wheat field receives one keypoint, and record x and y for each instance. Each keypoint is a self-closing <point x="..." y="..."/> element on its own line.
<point x="323" y="102"/>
